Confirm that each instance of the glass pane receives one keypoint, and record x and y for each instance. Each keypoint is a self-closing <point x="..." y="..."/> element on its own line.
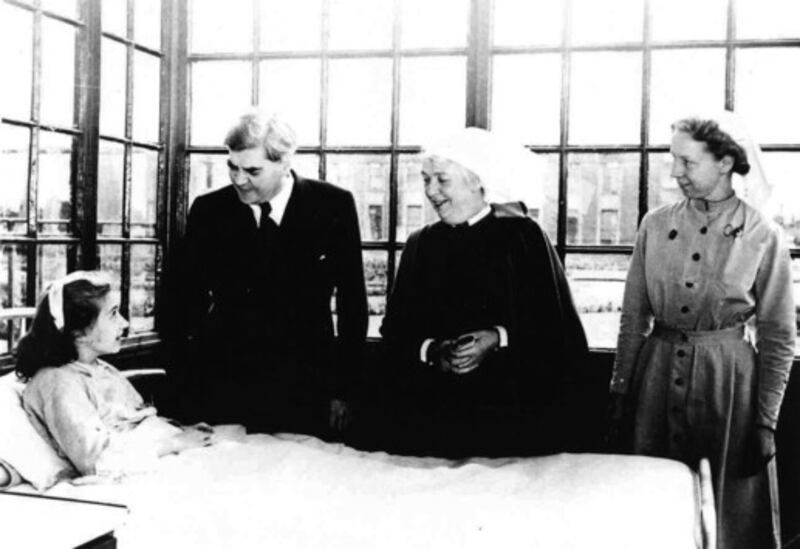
<point x="413" y="209"/>
<point x="767" y="19"/>
<point x="299" y="102"/>
<point x="602" y="198"/>
<point x="429" y="110"/>
<point x="110" y="256"/>
<point x="291" y="26"/>
<point x="607" y="21"/>
<point x="147" y="23"/>
<point x="783" y="171"/>
<point x="672" y="99"/>
<point x="528" y="23"/>
<point x="767" y="91"/>
<point x="441" y="24"/>
<point x="688" y="19"/>
<point x="605" y="98"/>
<point x="662" y="188"/>
<point x="111" y="158"/>
<point x="14" y="146"/>
<point x="375" y="269"/>
<point x="146" y="79"/>
<point x="367" y="177"/>
<point x="16" y="43"/>
<point x="68" y="8"/>
<point x="350" y="19"/>
<point x="13" y="275"/>
<point x="220" y="94"/>
<point x="144" y="185"/>
<point x="306" y="165"/>
<point x="206" y="173"/>
<point x="112" y="88"/>
<point x="143" y="288"/>
<point x="526" y="97"/>
<point x="52" y="264"/>
<point x="58" y="73"/>
<point x="54" y="201"/>
<point x="220" y="26"/>
<point x="360" y="102"/>
<point x="597" y="283"/>
<point x="115" y="17"/>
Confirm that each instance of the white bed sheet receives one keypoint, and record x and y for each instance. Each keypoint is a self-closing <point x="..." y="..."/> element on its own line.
<point x="293" y="491"/>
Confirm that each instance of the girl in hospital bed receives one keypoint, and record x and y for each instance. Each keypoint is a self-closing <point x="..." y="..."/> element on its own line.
<point x="80" y="404"/>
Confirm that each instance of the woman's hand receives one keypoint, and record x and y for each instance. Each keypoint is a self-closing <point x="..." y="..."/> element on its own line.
<point x="470" y="349"/>
<point x="190" y="437"/>
<point x="762" y="450"/>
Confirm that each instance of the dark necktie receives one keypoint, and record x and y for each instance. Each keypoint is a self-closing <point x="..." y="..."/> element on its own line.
<point x="266" y="225"/>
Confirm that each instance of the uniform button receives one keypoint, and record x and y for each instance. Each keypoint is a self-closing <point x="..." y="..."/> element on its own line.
<point x="684" y="309"/>
<point x="690" y="284"/>
<point x="703" y="230"/>
<point x="681" y="353"/>
<point x="679" y="381"/>
<point x="696" y="256"/>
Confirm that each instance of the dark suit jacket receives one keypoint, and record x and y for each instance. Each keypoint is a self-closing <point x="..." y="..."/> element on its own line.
<point x="254" y="329"/>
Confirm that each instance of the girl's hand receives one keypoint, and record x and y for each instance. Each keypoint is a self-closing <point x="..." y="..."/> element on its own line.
<point x="187" y="439"/>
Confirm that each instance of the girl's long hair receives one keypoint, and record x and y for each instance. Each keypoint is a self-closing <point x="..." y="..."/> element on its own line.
<point x="45" y="345"/>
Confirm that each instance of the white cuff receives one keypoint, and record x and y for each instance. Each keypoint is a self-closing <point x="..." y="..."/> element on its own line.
<point x="423" y="350"/>
<point x="503" y="337"/>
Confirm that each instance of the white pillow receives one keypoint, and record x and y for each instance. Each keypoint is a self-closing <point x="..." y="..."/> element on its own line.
<point x="20" y="445"/>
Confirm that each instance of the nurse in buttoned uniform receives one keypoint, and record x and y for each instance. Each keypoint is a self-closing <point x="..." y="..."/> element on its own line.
<point x="707" y="333"/>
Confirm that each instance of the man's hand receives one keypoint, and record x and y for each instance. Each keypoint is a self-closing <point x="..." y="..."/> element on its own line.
<point x="340" y="416"/>
<point x="470" y="349"/>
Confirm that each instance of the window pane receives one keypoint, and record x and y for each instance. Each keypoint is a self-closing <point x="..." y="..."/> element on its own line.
<point x="291" y="26"/>
<point x="16" y="41"/>
<point x="367" y="177"/>
<point x="783" y="171"/>
<point x="14" y="146"/>
<point x="672" y="99"/>
<point x="526" y="97"/>
<point x="220" y="94"/>
<point x="768" y="19"/>
<point x="112" y="88"/>
<point x="111" y="157"/>
<point x="115" y="16"/>
<point x="360" y="102"/>
<point x="361" y="24"/>
<point x="441" y="24"/>
<point x="605" y="98"/>
<point x="767" y="91"/>
<point x="430" y="110"/>
<point x="68" y="8"/>
<point x="58" y="72"/>
<point x="13" y="275"/>
<point x="143" y="288"/>
<point x="110" y="256"/>
<point x="597" y="283"/>
<point x="147" y="23"/>
<point x="52" y="264"/>
<point x="306" y="165"/>
<point x="527" y="23"/>
<point x="144" y="184"/>
<point x="54" y="201"/>
<point x="146" y="75"/>
<point x="375" y="264"/>
<point x="220" y="26"/>
<point x="607" y="21"/>
<point x="414" y="210"/>
<point x="688" y="19"/>
<point x="602" y="198"/>
<point x="298" y="102"/>
<point x="206" y="173"/>
<point x="661" y="187"/>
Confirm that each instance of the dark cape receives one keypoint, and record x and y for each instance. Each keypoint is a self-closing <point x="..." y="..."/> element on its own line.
<point x="501" y="271"/>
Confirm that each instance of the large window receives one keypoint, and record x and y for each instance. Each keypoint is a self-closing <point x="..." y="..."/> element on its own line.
<point x="590" y="85"/>
<point x="80" y="149"/>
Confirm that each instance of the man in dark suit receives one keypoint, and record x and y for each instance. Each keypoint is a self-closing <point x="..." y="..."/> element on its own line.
<point x="259" y="264"/>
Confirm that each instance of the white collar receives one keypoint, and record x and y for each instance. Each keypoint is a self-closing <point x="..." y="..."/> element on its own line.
<point x="486" y="210"/>
<point x="278" y="202"/>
